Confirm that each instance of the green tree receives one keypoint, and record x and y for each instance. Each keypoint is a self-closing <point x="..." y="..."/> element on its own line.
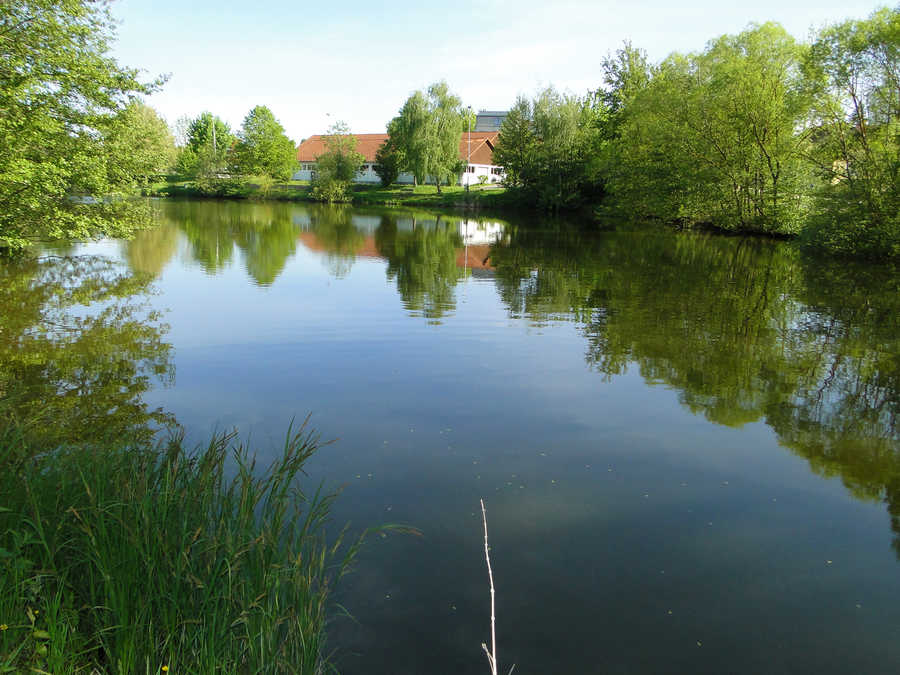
<point x="337" y="166"/>
<point x="205" y="157"/>
<point x="60" y="94"/>
<point x="388" y="160"/>
<point x="625" y="74"/>
<point x="139" y="145"/>
<point x="263" y="148"/>
<point x="516" y="144"/>
<point x="854" y="70"/>
<point x="427" y="133"/>
<point x="716" y="137"/>
<point x="550" y="146"/>
<point x="408" y="133"/>
<point x="444" y="131"/>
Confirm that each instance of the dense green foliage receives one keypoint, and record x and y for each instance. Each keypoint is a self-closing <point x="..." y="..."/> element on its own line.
<point x="548" y="147"/>
<point x="427" y="132"/>
<point x="139" y="146"/>
<point x="337" y="166"/>
<point x="205" y="156"/>
<point x="756" y="133"/>
<point x="129" y="558"/>
<point x="854" y="70"/>
<point x="388" y="160"/>
<point x="61" y="94"/>
<point x="262" y="147"/>
<point x="710" y="137"/>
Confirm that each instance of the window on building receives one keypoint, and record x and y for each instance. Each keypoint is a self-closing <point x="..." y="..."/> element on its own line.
<point x="496" y="170"/>
<point x="470" y="169"/>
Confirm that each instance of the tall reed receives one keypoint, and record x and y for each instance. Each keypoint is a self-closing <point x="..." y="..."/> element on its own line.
<point x="138" y="559"/>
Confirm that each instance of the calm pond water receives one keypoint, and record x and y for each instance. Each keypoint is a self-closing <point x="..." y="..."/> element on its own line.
<point x="688" y="445"/>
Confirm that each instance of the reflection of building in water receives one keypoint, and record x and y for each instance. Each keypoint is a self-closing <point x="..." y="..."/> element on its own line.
<point x="477" y="237"/>
<point x="359" y="238"/>
<point x="480" y="232"/>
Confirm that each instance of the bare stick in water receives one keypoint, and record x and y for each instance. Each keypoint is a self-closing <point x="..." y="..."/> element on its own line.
<point x="492" y="654"/>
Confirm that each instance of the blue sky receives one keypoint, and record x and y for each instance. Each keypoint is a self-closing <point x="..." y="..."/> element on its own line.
<point x="316" y="62"/>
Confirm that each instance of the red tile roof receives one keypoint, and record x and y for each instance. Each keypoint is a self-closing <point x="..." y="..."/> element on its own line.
<point x="367" y="144"/>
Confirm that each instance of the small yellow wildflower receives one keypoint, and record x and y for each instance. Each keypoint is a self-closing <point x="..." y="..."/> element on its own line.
<point x="3" y="626"/>
<point x="165" y="669"/>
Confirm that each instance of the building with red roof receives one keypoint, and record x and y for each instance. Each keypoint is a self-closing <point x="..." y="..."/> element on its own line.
<point x="477" y="147"/>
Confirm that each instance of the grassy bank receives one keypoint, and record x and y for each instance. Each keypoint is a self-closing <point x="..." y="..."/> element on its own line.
<point x="150" y="560"/>
<point x="455" y="196"/>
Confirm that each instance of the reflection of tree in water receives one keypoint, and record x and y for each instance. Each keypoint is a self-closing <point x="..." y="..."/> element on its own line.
<point x="744" y="330"/>
<point x="264" y="233"/>
<point x="149" y="251"/>
<point x="844" y="413"/>
<point x="423" y="262"/>
<point x="78" y="349"/>
<point x="337" y="235"/>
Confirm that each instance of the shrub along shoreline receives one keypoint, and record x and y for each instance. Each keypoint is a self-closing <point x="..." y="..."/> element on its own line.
<point x="130" y="558"/>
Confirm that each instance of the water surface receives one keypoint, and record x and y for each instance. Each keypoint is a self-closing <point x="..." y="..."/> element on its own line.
<point x="688" y="445"/>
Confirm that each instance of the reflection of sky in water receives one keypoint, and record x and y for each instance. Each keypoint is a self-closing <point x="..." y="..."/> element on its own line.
<point x="628" y="534"/>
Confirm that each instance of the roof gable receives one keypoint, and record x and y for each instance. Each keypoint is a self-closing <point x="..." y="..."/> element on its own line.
<point x="482" y="146"/>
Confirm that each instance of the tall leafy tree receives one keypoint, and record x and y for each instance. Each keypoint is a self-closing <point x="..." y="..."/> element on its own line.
<point x="549" y="146"/>
<point x="139" y="145"/>
<point x="262" y="147"/>
<point x="209" y="140"/>
<point x="60" y="93"/>
<point x="388" y="160"/>
<point x="409" y="131"/>
<point x="625" y="73"/>
<point x="854" y="69"/>
<point x="516" y="144"/>
<point x="717" y="137"/>
<point x="444" y="130"/>
<point x="427" y="133"/>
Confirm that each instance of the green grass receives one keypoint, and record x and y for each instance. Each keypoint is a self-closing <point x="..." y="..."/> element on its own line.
<point x="427" y="195"/>
<point x="132" y="559"/>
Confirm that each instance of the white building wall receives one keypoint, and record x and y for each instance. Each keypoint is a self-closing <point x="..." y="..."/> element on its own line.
<point x="491" y="173"/>
<point x="367" y="175"/>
